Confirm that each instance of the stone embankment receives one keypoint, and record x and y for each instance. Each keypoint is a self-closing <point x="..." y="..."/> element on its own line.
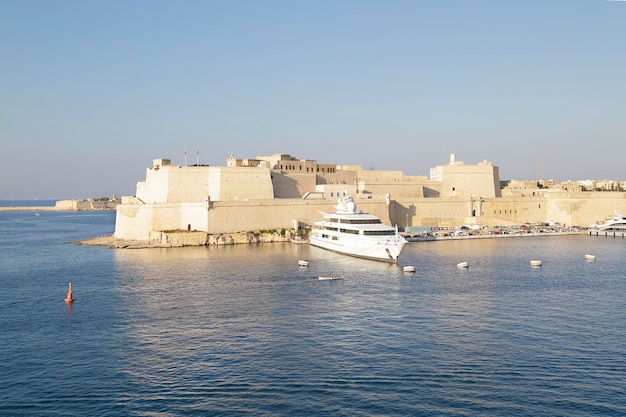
<point x="173" y="239"/>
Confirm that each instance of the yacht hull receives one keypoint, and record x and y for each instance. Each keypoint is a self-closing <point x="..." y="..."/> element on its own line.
<point x="383" y="250"/>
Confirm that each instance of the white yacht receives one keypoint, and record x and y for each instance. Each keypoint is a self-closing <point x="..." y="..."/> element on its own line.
<point x="616" y="224"/>
<point x="357" y="234"/>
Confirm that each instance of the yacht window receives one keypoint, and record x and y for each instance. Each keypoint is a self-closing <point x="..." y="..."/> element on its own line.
<point x="380" y="232"/>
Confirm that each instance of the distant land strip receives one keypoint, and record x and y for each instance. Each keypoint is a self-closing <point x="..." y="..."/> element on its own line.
<point x="30" y="208"/>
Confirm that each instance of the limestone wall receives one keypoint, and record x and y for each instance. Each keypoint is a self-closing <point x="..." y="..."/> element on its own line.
<point x="241" y="183"/>
<point x="397" y="189"/>
<point x="86" y="205"/>
<point x="135" y="221"/>
<point x="292" y="185"/>
<point x="460" y="180"/>
<point x="176" y="184"/>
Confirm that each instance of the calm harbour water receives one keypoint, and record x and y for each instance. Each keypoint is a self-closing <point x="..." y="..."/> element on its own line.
<point x="242" y="330"/>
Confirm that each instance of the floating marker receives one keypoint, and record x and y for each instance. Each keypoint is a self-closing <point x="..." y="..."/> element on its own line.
<point x="69" y="298"/>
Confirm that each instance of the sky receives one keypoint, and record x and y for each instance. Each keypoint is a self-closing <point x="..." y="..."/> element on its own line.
<point x="92" y="91"/>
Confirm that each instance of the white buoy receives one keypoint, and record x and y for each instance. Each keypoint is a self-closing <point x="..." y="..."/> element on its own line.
<point x="535" y="262"/>
<point x="590" y="257"/>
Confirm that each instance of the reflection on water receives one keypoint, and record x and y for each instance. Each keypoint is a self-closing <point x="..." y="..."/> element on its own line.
<point x="244" y="328"/>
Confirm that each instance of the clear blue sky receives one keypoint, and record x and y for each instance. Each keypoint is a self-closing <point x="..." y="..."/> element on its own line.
<point x="92" y="91"/>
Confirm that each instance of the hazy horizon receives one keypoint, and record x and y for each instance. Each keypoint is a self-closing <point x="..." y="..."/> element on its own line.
<point x="92" y="92"/>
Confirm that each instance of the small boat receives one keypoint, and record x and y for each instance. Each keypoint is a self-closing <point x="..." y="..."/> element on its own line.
<point x="409" y="269"/>
<point x="462" y="265"/>
<point x="590" y="257"/>
<point x="535" y="262"/>
<point x="331" y="276"/>
<point x="303" y="263"/>
<point x="298" y="240"/>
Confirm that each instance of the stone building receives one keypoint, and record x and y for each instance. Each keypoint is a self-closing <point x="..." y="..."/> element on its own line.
<point x="276" y="191"/>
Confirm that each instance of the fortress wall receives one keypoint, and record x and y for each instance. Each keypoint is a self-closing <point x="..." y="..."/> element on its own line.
<point x="502" y="211"/>
<point x="340" y="176"/>
<point x="214" y="183"/>
<point x="397" y="189"/>
<point x="134" y="221"/>
<point x="430" y="212"/>
<point x="287" y="185"/>
<point x="66" y="205"/>
<point x="377" y="175"/>
<point x="188" y="184"/>
<point x="585" y="208"/>
<point x="156" y="186"/>
<point x="229" y="217"/>
<point x="466" y="180"/>
<point x="241" y="183"/>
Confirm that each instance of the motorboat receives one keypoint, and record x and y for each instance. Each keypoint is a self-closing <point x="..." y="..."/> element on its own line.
<point x="302" y="262"/>
<point x="409" y="269"/>
<point x="352" y="232"/>
<point x="535" y="262"/>
<point x="462" y="265"/>
<point x="590" y="257"/>
<point x="330" y="276"/>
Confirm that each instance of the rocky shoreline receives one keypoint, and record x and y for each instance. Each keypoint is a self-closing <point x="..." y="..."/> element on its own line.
<point x="176" y="239"/>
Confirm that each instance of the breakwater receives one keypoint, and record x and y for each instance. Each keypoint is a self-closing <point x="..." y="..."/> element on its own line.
<point x="29" y="208"/>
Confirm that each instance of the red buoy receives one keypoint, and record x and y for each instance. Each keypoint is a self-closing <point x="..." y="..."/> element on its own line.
<point x="69" y="297"/>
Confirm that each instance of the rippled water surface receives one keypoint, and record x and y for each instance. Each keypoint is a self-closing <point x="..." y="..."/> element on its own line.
<point x="244" y="330"/>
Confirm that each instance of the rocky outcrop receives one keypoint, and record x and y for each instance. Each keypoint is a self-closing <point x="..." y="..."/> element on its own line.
<point x="178" y="238"/>
<point x="248" y="237"/>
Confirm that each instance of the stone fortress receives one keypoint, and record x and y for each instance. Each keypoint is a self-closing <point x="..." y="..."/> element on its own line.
<point x="274" y="192"/>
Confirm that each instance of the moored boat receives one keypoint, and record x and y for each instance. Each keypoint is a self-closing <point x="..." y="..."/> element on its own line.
<point x="357" y="234"/>
<point x="616" y="225"/>
<point x="331" y="276"/>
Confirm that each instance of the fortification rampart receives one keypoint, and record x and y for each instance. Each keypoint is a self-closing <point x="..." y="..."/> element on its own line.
<point x="137" y="221"/>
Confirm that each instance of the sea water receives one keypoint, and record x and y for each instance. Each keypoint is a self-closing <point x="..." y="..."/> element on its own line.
<point x="244" y="330"/>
